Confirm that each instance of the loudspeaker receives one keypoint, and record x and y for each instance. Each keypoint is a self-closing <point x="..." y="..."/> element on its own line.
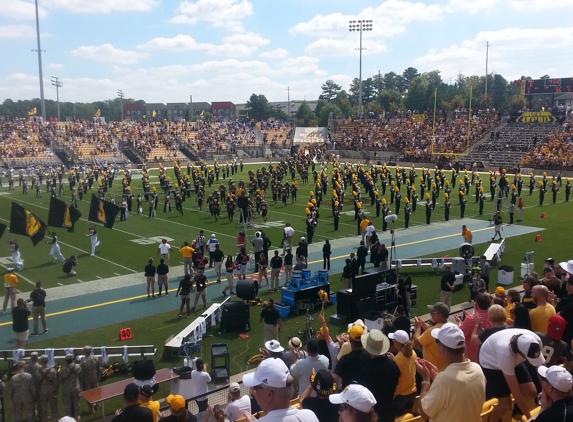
<point x="247" y="289"/>
<point x="235" y="315"/>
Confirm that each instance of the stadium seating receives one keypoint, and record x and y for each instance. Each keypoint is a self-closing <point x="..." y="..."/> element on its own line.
<point x="555" y="152"/>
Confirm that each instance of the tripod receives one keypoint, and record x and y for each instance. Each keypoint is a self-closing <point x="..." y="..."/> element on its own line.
<point x="308" y="331"/>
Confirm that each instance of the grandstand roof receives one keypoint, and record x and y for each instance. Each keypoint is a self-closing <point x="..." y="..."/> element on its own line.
<point x="565" y="96"/>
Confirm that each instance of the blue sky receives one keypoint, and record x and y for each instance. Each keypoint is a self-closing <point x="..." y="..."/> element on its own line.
<point x="225" y="50"/>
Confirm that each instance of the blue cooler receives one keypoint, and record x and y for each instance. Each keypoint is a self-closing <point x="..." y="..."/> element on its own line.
<point x="322" y="276"/>
<point x="283" y="308"/>
<point x="332" y="297"/>
<point x="296" y="279"/>
<point x="306" y="274"/>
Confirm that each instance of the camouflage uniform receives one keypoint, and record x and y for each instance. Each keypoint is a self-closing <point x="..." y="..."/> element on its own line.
<point x="90" y="374"/>
<point x="47" y="384"/>
<point x="69" y="378"/>
<point x="1" y="401"/>
<point x="21" y="389"/>
<point x="32" y="368"/>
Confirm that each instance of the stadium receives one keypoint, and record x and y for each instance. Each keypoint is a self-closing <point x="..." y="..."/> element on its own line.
<point x="164" y="236"/>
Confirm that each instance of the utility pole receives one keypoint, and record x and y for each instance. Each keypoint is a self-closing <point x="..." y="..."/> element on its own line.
<point x="56" y="82"/>
<point x="43" y="103"/>
<point x="121" y="96"/>
<point x="486" y="63"/>
<point x="288" y="101"/>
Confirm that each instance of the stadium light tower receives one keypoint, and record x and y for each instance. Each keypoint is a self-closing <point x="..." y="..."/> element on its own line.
<point x="360" y="25"/>
<point x="121" y="97"/>
<point x="56" y="82"/>
<point x="39" y="50"/>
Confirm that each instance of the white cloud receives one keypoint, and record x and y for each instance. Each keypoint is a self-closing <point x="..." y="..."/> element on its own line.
<point x="251" y="39"/>
<point x="277" y="53"/>
<point x="101" y="6"/>
<point x="218" y="13"/>
<point x="529" y="5"/>
<point x="471" y="6"/>
<point x="178" y="43"/>
<point x="107" y="53"/>
<point x="511" y="48"/>
<point x="17" y="31"/>
<point x="55" y="66"/>
<point x="18" y="9"/>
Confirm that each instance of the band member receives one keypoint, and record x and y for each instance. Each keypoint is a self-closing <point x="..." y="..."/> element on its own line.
<point x="93" y="238"/>
<point x="447" y="206"/>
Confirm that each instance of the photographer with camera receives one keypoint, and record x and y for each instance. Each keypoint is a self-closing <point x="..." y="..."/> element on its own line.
<point x="20" y="316"/>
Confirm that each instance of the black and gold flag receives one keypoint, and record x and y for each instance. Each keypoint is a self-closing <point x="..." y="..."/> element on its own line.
<point x="25" y="223"/>
<point x="62" y="214"/>
<point x="103" y="212"/>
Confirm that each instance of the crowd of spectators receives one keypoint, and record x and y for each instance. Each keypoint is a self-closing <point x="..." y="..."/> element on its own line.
<point x="555" y="152"/>
<point x="277" y="133"/>
<point x="25" y="139"/>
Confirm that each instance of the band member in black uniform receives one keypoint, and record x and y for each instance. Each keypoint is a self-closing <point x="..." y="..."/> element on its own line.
<point x="447" y="206"/>
<point x="407" y="212"/>
<point x="428" y="209"/>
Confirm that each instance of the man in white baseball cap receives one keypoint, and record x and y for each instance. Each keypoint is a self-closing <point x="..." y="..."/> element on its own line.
<point x="356" y="396"/>
<point x="272" y="387"/>
<point x="458" y="389"/>
<point x="556" y="395"/>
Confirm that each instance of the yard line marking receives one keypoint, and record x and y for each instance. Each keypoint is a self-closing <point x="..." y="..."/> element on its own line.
<point x="80" y="281"/>
<point x="117" y="274"/>
<point x="98" y="277"/>
<point x="18" y="291"/>
<point x="81" y="250"/>
<point x="60" y="284"/>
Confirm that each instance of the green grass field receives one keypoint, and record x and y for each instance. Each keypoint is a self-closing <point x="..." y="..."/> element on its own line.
<point x="125" y="249"/>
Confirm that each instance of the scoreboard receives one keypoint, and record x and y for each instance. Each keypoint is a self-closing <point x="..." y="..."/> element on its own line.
<point x="546" y="86"/>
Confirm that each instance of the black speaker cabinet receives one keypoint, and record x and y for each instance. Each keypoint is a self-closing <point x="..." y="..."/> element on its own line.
<point x="247" y="289"/>
<point x="143" y="370"/>
<point x="235" y="315"/>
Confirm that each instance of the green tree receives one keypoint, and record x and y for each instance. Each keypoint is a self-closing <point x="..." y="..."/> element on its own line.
<point x="343" y="103"/>
<point x="416" y="96"/>
<point x="304" y="115"/>
<point x="499" y="92"/>
<point x="457" y="102"/>
<point x="258" y="107"/>
<point x="516" y="103"/>
<point x="408" y="76"/>
<point x="325" y="113"/>
<point x="389" y="96"/>
<point x="330" y="90"/>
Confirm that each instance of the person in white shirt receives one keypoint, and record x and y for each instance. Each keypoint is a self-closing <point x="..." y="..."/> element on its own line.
<point x="93" y="237"/>
<point x="369" y="230"/>
<point x="212" y="243"/>
<point x="237" y="405"/>
<point x="273" y="388"/>
<point x="15" y="251"/>
<point x="165" y="250"/>
<point x="200" y="380"/>
<point x="55" y="251"/>
<point x="289" y="235"/>
<point x="302" y="369"/>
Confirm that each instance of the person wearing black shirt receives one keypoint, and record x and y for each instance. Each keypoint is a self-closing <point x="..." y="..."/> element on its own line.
<point x="162" y="279"/>
<point x="288" y="266"/>
<point x="401" y="290"/>
<point x="272" y="319"/>
<point x="200" y="288"/>
<point x="556" y="397"/>
<point x="326" y="252"/>
<point x="20" y="316"/>
<point x="402" y="322"/>
<point x="276" y="264"/>
<point x="528" y="283"/>
<point x="354" y="264"/>
<point x="218" y="257"/>
<point x="132" y="412"/>
<point x="347" y="275"/>
<point x="408" y="282"/>
<point x="184" y="289"/>
<point x="447" y="286"/>
<point x="322" y="383"/>
<point x="349" y="367"/>
<point x="567" y="299"/>
<point x="361" y="254"/>
<point x="383" y="388"/>
<point x="150" y="276"/>
<point x="304" y="245"/>
<point x="383" y="256"/>
<point x="68" y="266"/>
<point x="38" y="299"/>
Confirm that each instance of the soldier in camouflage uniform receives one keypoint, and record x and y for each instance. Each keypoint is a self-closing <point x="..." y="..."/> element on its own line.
<point x="91" y="372"/>
<point x="69" y="378"/>
<point x="21" y="389"/>
<point x="47" y="387"/>
<point x="32" y="368"/>
<point x="2" y="386"/>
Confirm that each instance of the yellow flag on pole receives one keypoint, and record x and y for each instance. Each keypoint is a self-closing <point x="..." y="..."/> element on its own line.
<point x="202" y="114"/>
<point x="32" y="112"/>
<point x="153" y="113"/>
<point x="98" y="113"/>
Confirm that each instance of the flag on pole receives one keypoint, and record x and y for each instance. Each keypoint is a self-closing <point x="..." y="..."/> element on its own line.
<point x="32" y="112"/>
<point x="98" y="113"/>
<point x="25" y="223"/>
<point x="153" y="113"/>
<point x="202" y="114"/>
<point x="62" y="214"/>
<point x="103" y="212"/>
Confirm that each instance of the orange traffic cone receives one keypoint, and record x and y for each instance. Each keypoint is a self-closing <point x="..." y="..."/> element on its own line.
<point x="538" y="238"/>
<point x="543" y="215"/>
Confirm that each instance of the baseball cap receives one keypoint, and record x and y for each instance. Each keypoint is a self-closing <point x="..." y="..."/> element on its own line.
<point x="550" y="260"/>
<point x="499" y="291"/>
<point x="302" y="238"/>
<point x="274" y="346"/>
<point x="323" y="383"/>
<point x="213" y="236"/>
<point x="131" y="391"/>
<point x="234" y="387"/>
<point x="567" y="266"/>
<point x="177" y="402"/>
<point x="10" y="269"/>
<point x="555" y="327"/>
<point x="375" y="342"/>
<point x="558" y="377"/>
<point x="530" y="347"/>
<point x="272" y="372"/>
<point x="294" y="343"/>
<point x="355" y="332"/>
<point x="441" y="308"/>
<point x="69" y="357"/>
<point x="44" y="358"/>
<point x="547" y="270"/>
<point x="146" y="391"/>
<point x="400" y="336"/>
<point x="355" y="395"/>
<point x="450" y="335"/>
<point x="66" y="419"/>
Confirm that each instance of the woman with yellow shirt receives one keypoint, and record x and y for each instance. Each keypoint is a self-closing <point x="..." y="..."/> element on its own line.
<point x="405" y="359"/>
<point x="145" y="394"/>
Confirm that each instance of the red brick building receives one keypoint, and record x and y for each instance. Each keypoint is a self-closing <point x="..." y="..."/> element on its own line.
<point x="134" y="111"/>
<point x="223" y="110"/>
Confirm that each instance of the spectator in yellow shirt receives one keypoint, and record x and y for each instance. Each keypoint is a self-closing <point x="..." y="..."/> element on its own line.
<point x="543" y="311"/>
<point x="145" y="394"/>
<point x="423" y="334"/>
<point x="467" y="234"/>
<point x="186" y="252"/>
<point x="10" y="281"/>
<point x="406" y="360"/>
<point x="363" y="224"/>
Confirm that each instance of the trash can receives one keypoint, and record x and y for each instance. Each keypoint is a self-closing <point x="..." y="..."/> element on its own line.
<point x="505" y="275"/>
<point x="526" y="269"/>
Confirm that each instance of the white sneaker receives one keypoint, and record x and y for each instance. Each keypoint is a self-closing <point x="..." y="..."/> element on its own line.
<point x="93" y="254"/>
<point x="98" y="243"/>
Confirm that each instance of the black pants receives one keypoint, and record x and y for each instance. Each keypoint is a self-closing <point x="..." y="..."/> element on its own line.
<point x="326" y="262"/>
<point x="202" y="404"/>
<point x="486" y="279"/>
